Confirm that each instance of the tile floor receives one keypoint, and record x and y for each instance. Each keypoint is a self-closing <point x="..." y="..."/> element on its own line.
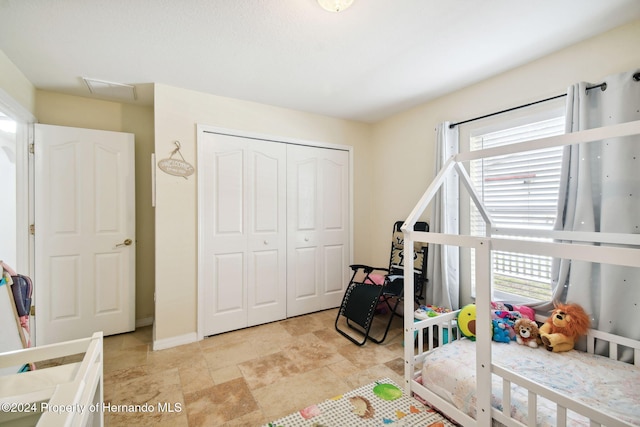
<point x="242" y="378"/>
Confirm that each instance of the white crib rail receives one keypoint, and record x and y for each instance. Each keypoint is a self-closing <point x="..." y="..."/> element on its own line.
<point x="74" y="402"/>
<point x="563" y="403"/>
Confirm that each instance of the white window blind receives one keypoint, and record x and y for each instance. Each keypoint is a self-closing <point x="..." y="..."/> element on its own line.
<point x="519" y="190"/>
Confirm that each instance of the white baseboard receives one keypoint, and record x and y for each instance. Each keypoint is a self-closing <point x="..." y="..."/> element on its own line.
<point x="175" y="341"/>
<point x="146" y="321"/>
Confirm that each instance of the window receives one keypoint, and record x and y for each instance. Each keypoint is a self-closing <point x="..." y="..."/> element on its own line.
<point x="519" y="191"/>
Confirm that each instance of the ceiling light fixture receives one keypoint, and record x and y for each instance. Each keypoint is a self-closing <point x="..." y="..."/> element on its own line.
<point x="335" y="5"/>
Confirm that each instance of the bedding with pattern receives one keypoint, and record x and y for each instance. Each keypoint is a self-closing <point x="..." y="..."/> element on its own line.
<point x="599" y="382"/>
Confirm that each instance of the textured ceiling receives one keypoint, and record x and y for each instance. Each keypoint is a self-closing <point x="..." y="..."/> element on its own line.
<point x="372" y="60"/>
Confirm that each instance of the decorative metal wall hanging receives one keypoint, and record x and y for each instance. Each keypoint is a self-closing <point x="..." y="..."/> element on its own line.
<point x="176" y="167"/>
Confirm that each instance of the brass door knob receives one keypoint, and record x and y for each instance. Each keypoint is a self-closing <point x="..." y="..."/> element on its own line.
<point x="127" y="242"/>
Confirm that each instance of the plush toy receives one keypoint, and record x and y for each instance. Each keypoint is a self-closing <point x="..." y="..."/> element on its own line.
<point x="501" y="330"/>
<point x="467" y="321"/>
<point x="527" y="332"/>
<point x="525" y="311"/>
<point x="566" y="324"/>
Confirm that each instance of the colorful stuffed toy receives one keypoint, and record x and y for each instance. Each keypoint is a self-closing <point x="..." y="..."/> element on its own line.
<point x="467" y="321"/>
<point x="566" y="324"/>
<point x="525" y="311"/>
<point x="501" y="330"/>
<point x="527" y="332"/>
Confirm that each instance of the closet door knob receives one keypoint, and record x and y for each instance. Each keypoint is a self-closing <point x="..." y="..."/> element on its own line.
<point x="306" y="239"/>
<point x="266" y="242"/>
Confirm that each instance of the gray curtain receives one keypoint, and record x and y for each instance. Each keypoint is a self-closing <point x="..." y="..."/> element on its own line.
<point x="443" y="262"/>
<point x="600" y="191"/>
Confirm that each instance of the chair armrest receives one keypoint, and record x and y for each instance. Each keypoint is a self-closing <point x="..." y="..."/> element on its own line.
<point x="367" y="268"/>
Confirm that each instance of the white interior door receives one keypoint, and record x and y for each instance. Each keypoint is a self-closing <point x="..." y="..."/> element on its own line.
<point x="242" y="223"/>
<point x="84" y="233"/>
<point x="318" y="228"/>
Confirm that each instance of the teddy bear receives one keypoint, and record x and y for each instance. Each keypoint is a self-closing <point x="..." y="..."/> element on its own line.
<point x="526" y="332"/>
<point x="566" y="324"/>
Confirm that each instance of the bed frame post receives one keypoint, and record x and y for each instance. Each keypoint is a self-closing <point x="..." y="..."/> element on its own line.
<point x="483" y="334"/>
<point x="408" y="310"/>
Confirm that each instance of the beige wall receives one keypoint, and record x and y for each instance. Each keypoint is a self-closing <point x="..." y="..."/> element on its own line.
<point x="177" y="111"/>
<point x="409" y="138"/>
<point x="65" y="110"/>
<point x="16" y="85"/>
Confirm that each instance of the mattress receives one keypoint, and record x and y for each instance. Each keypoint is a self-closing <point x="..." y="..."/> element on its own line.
<point x="601" y="383"/>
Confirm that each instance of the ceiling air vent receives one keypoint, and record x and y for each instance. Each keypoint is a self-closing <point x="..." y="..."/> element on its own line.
<point x="111" y="89"/>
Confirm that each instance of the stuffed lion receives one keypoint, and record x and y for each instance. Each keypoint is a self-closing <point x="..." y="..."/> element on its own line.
<point x="562" y="329"/>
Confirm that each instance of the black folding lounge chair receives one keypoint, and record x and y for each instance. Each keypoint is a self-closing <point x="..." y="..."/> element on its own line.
<point x="368" y="291"/>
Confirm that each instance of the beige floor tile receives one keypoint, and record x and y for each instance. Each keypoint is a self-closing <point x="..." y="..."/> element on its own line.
<point x="116" y="377"/>
<point x="246" y="377"/>
<point x="225" y="374"/>
<point x="115" y="360"/>
<point x="195" y="377"/>
<point x="331" y="337"/>
<point x="139" y="336"/>
<point x="371" y="374"/>
<point x="260" y="335"/>
<point x="183" y="356"/>
<point x="255" y="419"/>
<point x="396" y="365"/>
<point x="343" y="369"/>
<point x="373" y="354"/>
<point x="266" y="370"/>
<point x="219" y="404"/>
<point x="113" y="342"/>
<point x="297" y="392"/>
<point x="232" y="354"/>
<point x="126" y="419"/>
<point x="155" y="398"/>
<point x="311" y="353"/>
<point x="304" y="324"/>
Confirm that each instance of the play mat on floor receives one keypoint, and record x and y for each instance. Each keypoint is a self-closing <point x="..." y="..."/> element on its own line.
<point x="380" y="403"/>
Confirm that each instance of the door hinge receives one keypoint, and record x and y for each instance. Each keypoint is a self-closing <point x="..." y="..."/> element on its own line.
<point x="32" y="312"/>
<point x="32" y="148"/>
<point x="32" y="229"/>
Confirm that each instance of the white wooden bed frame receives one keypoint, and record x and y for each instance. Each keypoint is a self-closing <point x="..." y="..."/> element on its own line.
<point x="70" y="394"/>
<point x="484" y="247"/>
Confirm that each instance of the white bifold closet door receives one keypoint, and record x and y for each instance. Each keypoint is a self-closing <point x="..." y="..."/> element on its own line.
<point x="243" y="231"/>
<point x="273" y="229"/>
<point x="318" y="250"/>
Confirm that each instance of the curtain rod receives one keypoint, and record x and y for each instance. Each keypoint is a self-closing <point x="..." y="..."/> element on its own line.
<point x="602" y="86"/>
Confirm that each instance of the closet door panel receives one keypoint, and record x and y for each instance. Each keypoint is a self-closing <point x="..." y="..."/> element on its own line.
<point x="318" y="233"/>
<point x="229" y="193"/>
<point x="222" y="221"/>
<point x="305" y="178"/>
<point x="229" y="272"/>
<point x="243" y="227"/>
<point x="303" y="217"/>
<point x="306" y="275"/>
<point x="334" y="266"/>
<point x="266" y="238"/>
<point x="335" y="226"/>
